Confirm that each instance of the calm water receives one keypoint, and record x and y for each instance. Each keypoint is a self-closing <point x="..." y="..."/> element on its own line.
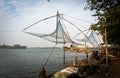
<point x="25" y="63"/>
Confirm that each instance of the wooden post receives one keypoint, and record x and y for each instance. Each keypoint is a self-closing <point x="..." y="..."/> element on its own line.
<point x="42" y="73"/>
<point x="76" y="53"/>
<point x="86" y="52"/>
<point x="57" y="26"/>
<point x="106" y="48"/>
<point x="64" y="57"/>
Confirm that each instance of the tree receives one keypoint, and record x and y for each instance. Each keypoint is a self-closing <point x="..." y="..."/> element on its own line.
<point x="108" y="13"/>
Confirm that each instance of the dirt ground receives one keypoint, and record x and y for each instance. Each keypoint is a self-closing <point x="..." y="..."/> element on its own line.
<point x="115" y="67"/>
<point x="113" y="71"/>
<point x="104" y="71"/>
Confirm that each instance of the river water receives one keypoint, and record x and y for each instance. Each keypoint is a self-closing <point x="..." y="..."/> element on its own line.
<point x="25" y="63"/>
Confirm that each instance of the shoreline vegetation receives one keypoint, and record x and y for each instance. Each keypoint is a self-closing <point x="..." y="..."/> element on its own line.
<point x="16" y="46"/>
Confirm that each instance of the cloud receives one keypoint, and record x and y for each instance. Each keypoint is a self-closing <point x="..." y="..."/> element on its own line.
<point x="18" y="14"/>
<point x="16" y="7"/>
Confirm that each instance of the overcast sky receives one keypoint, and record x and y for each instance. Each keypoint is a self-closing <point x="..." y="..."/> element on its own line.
<point x="15" y="15"/>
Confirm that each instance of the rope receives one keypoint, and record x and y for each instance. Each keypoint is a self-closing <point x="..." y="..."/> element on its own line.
<point x="79" y="19"/>
<point x="38" y="22"/>
<point x="49" y="56"/>
<point x="98" y="37"/>
<point x="78" y="29"/>
<point x="79" y="33"/>
<point x="67" y="34"/>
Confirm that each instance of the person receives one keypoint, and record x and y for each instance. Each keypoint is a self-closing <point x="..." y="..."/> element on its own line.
<point x="94" y="58"/>
<point x="104" y="60"/>
<point x="97" y="56"/>
<point x="72" y="45"/>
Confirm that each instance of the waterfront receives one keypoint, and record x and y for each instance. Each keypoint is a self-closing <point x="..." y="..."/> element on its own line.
<point x="25" y="63"/>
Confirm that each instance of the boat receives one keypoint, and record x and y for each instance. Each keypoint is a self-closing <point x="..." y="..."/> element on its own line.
<point x="88" y="44"/>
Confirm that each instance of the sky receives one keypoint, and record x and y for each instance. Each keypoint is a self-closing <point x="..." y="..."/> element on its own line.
<point x="15" y="15"/>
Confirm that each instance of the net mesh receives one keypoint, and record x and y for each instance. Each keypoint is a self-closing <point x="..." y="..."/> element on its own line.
<point x="61" y="35"/>
<point x="93" y="39"/>
<point x="58" y="36"/>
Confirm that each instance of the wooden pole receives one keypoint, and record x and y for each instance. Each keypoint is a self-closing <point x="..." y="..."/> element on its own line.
<point x="57" y="26"/>
<point x="42" y="73"/>
<point x="106" y="48"/>
<point x="64" y="57"/>
<point x="86" y="52"/>
<point x="76" y="54"/>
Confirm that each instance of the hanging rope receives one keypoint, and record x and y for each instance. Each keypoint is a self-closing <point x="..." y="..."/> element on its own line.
<point x="78" y="29"/>
<point x="79" y="19"/>
<point x="38" y="22"/>
<point x="67" y="34"/>
<point x="98" y="37"/>
<point x="79" y="33"/>
<point x="49" y="56"/>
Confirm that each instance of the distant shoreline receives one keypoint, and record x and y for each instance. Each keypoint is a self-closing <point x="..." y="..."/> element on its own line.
<point x="43" y="48"/>
<point x="16" y="46"/>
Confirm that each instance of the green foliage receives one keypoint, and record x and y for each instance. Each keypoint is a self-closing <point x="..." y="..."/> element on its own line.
<point x="108" y="13"/>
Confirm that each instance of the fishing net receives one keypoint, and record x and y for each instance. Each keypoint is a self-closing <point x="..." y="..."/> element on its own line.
<point x="59" y="35"/>
<point x="91" y="39"/>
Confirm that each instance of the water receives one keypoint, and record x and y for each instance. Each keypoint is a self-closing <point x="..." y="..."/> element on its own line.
<point x="25" y="63"/>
